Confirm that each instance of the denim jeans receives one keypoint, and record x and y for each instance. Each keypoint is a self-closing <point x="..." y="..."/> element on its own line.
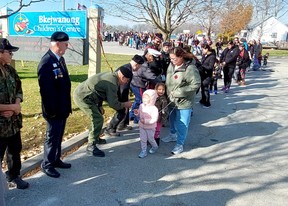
<point x="138" y="92"/>
<point x="179" y="123"/>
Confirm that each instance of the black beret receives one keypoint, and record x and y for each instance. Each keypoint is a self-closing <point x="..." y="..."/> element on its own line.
<point x="138" y="59"/>
<point x="5" y="45"/>
<point x="59" y="36"/>
<point x="126" y="72"/>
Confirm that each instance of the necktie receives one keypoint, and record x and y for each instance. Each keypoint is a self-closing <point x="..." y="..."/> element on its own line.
<point x="63" y="64"/>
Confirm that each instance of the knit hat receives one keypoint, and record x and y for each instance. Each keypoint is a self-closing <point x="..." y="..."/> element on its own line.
<point x="126" y="72"/>
<point x="166" y="44"/>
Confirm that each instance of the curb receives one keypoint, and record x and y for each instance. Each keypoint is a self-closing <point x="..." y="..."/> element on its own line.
<point x="34" y="162"/>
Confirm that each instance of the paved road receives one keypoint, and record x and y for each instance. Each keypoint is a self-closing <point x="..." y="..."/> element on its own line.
<point x="235" y="154"/>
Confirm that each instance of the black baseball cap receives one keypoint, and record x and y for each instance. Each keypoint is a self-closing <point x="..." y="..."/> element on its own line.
<point x="5" y="45"/>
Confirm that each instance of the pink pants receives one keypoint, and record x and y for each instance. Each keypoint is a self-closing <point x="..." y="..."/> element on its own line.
<point x="147" y="134"/>
<point x="158" y="129"/>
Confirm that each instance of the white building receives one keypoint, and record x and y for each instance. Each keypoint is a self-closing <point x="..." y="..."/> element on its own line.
<point x="271" y="30"/>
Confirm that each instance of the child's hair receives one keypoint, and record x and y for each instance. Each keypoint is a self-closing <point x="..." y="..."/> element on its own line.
<point x="160" y="84"/>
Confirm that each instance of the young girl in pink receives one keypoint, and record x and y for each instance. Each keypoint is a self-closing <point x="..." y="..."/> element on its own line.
<point x="148" y="116"/>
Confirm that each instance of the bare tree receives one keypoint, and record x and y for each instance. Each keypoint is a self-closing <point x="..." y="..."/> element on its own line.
<point x="210" y="14"/>
<point x="264" y="9"/>
<point x="165" y="15"/>
<point x="21" y="5"/>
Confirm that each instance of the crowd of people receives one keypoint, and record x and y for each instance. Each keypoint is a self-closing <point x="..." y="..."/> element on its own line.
<point x="162" y="69"/>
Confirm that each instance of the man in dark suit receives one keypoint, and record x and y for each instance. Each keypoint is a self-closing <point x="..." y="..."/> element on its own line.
<point x="55" y="88"/>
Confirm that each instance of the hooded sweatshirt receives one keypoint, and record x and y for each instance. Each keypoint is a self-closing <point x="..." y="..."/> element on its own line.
<point x="149" y="111"/>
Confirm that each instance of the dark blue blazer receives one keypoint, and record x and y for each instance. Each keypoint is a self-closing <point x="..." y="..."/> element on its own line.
<point x="55" y="87"/>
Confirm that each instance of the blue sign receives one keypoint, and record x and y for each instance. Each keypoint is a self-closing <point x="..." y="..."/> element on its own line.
<point x="44" y="24"/>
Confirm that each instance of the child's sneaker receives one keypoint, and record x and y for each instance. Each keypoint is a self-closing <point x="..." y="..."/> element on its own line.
<point x="153" y="150"/>
<point x="223" y="88"/>
<point x="170" y="138"/>
<point x="215" y="92"/>
<point x="142" y="154"/>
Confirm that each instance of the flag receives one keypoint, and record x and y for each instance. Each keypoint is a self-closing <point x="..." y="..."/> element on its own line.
<point x="81" y="7"/>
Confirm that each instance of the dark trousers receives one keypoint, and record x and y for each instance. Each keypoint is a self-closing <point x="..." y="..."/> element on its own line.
<point x="14" y="146"/>
<point x="121" y="117"/>
<point x="213" y="83"/>
<point x="205" y="100"/>
<point x="52" y="144"/>
<point x="228" y="72"/>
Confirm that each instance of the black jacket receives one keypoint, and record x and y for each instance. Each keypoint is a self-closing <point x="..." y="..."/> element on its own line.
<point x="55" y="87"/>
<point x="231" y="56"/>
<point x="208" y="62"/>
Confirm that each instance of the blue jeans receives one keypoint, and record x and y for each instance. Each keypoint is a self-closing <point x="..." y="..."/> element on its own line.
<point x="179" y="122"/>
<point x="138" y="92"/>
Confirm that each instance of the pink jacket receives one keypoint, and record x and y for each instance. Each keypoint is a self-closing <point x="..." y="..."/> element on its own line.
<point x="149" y="111"/>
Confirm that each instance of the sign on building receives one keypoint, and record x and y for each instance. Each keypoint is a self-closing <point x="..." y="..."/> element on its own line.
<point x="44" y="24"/>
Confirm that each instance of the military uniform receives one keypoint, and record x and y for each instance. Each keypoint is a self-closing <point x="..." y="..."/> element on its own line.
<point x="89" y="96"/>
<point x="55" y="89"/>
<point x="10" y="89"/>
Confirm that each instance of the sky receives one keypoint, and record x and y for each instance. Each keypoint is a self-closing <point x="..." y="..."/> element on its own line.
<point x="55" y="5"/>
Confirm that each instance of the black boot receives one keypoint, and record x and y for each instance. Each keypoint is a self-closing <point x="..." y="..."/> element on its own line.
<point x="92" y="149"/>
<point x="157" y="141"/>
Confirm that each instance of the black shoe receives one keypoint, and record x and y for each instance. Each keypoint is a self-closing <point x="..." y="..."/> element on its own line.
<point x="93" y="150"/>
<point x="100" y="141"/>
<point x="19" y="183"/>
<point x="110" y="132"/>
<point x="51" y="172"/>
<point x="202" y="102"/>
<point x="62" y="165"/>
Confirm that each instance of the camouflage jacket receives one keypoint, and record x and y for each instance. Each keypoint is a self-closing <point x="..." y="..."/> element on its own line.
<point x="10" y="89"/>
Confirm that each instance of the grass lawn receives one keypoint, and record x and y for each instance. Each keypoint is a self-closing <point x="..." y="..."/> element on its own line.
<point x="34" y="125"/>
<point x="275" y="52"/>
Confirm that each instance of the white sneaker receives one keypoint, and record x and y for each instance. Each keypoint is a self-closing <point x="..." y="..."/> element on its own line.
<point x="170" y="138"/>
<point x="142" y="154"/>
<point x="177" y="149"/>
<point x="153" y="150"/>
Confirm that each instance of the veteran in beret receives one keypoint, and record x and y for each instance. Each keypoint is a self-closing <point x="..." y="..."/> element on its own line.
<point x="120" y="120"/>
<point x="55" y="89"/>
<point x="11" y="95"/>
<point x="90" y="95"/>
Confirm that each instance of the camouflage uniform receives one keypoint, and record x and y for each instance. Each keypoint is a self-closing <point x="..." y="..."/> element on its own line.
<point x="89" y="96"/>
<point x="10" y="89"/>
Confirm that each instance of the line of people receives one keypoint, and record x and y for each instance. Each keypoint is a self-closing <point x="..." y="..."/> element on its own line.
<point x="171" y="70"/>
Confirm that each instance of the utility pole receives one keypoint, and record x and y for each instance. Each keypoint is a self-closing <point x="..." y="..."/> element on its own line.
<point x="63" y="5"/>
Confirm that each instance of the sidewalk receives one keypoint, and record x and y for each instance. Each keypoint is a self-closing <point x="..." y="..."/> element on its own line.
<point x="235" y="154"/>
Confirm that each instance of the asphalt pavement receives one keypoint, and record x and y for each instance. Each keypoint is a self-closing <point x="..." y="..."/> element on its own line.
<point x="235" y="154"/>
